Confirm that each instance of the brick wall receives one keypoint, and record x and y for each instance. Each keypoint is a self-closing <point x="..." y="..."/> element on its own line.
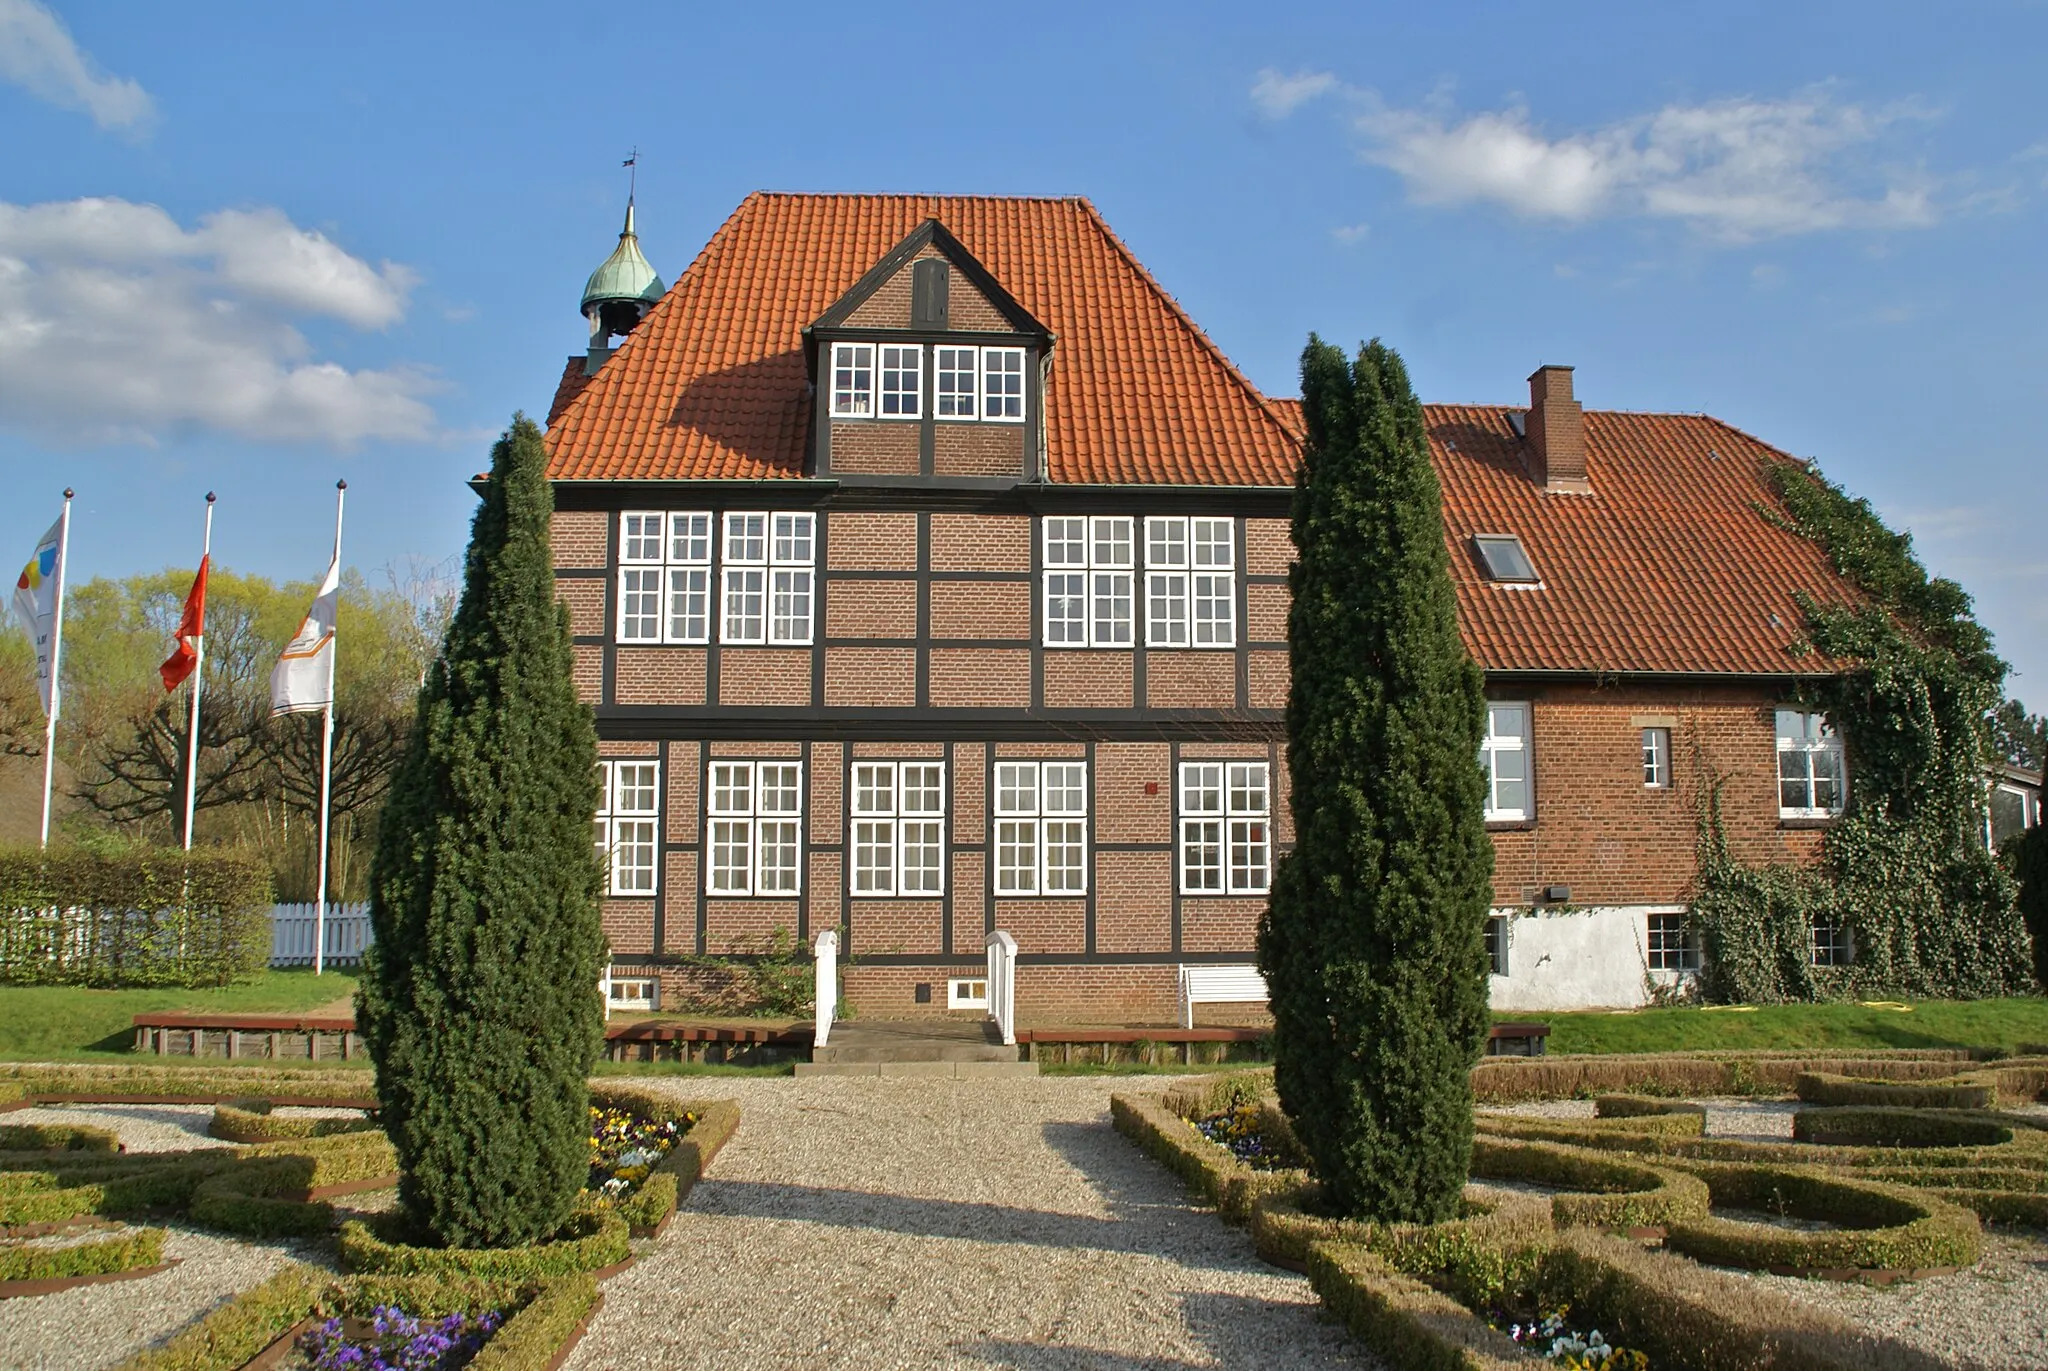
<point x="1134" y="901"/>
<point x="978" y="449"/>
<point x="1082" y="679"/>
<point x="984" y="678"/>
<point x="1268" y="547"/>
<point x="981" y="609"/>
<point x="895" y="928"/>
<point x="659" y="676"/>
<point x="871" y="609"/>
<point x="585" y="597"/>
<point x="1045" y="925"/>
<point x="871" y="542"/>
<point x="1191" y="680"/>
<point x="871" y="677"/>
<point x="764" y="676"/>
<point x="1266" y="613"/>
<point x="875" y="447"/>
<point x="577" y="537"/>
<point x="588" y="671"/>
<point x="981" y="542"/>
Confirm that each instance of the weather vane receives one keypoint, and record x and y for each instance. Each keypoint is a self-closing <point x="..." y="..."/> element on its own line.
<point x="633" y="177"/>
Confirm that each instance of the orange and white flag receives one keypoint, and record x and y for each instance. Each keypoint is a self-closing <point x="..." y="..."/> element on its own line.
<point x="191" y="627"/>
<point x="303" y="679"/>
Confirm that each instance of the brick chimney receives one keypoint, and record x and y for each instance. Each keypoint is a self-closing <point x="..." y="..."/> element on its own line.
<point x="1557" y="433"/>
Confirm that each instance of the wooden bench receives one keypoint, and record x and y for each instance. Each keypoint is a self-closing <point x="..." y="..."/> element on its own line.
<point x="1516" y="1039"/>
<point x="1218" y="985"/>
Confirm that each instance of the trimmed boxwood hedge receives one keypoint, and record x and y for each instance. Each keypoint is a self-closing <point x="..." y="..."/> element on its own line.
<point x="1473" y="1255"/>
<point x="1510" y="1080"/>
<point x="1897" y="1229"/>
<point x="592" y="1240"/>
<point x="1620" y="1193"/>
<point x="251" y="1120"/>
<point x="1641" y="1106"/>
<point x="152" y="1080"/>
<point x="1955" y="1092"/>
<point x="1213" y="1172"/>
<point x="1896" y="1127"/>
<point x="544" y="1315"/>
<point x="128" y="1251"/>
<point x="1408" y="1325"/>
<point x="57" y="1137"/>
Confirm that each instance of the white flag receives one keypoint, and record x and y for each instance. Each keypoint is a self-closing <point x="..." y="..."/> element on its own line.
<point x="303" y="679"/>
<point x="35" y="603"/>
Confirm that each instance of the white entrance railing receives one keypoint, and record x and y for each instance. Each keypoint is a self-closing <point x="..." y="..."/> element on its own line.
<point x="1002" y="984"/>
<point x="828" y="983"/>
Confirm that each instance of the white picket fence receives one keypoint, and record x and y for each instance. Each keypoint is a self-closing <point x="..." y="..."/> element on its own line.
<point x="291" y="933"/>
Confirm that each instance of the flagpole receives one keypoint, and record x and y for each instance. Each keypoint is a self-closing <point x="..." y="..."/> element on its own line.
<point x="198" y="676"/>
<point x="56" y="664"/>
<point x="327" y="757"/>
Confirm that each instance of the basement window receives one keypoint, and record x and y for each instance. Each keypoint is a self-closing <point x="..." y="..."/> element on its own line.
<point x="965" y="993"/>
<point x="1504" y="558"/>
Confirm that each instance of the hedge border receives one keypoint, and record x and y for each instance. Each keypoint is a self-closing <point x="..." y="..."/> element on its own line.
<point x="548" y="1319"/>
<point x="1476" y="1251"/>
<point x="121" y="1253"/>
<point x="1408" y="1325"/>
<point x="1644" y="1106"/>
<point x="1976" y="1091"/>
<point x="1213" y="1172"/>
<point x="250" y="1120"/>
<point x="649" y="1209"/>
<point x="1895" y="1127"/>
<point x="1619" y="1193"/>
<point x="596" y="1241"/>
<point x="1911" y="1231"/>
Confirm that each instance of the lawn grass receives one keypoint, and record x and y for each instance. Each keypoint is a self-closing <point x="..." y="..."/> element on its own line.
<point x="2003" y="1025"/>
<point x="68" y="1023"/>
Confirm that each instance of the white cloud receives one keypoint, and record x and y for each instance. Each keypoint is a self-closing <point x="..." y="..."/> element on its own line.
<point x="37" y="54"/>
<point x="118" y="324"/>
<point x="1351" y="235"/>
<point x="1737" y="170"/>
<point x="1278" y="95"/>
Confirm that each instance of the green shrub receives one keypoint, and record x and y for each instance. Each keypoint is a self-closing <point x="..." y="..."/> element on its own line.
<point x="478" y="1000"/>
<point x="251" y="1121"/>
<point x="236" y="1331"/>
<point x="1409" y="1326"/>
<point x="1212" y="1172"/>
<point x="1957" y="1092"/>
<point x="1893" y="1229"/>
<point x="1623" y="1194"/>
<point x="1644" y="1106"/>
<point x="1511" y="1080"/>
<point x="535" y="1336"/>
<point x="57" y="1137"/>
<point x="1477" y="1257"/>
<point x="591" y="1240"/>
<point x="128" y="1251"/>
<point x="1202" y="1096"/>
<point x="1900" y="1127"/>
<point x="135" y="917"/>
<point x="148" y="1081"/>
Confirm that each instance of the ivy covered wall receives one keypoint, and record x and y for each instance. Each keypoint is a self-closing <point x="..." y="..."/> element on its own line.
<point x="1929" y="911"/>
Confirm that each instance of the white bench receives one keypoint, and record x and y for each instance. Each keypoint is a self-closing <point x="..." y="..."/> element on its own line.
<point x="1218" y="985"/>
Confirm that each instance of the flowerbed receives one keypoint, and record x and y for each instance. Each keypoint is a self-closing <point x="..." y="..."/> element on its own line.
<point x="1239" y="1131"/>
<point x="393" y="1340"/>
<point x="625" y="1147"/>
<point x="1552" y="1337"/>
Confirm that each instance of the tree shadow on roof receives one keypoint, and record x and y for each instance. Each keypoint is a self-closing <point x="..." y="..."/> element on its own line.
<point x="758" y="409"/>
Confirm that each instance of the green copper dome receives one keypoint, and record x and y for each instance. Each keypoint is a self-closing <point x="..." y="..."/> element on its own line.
<point x="625" y="275"/>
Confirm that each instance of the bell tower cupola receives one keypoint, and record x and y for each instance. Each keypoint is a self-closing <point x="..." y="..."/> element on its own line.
<point x="618" y="295"/>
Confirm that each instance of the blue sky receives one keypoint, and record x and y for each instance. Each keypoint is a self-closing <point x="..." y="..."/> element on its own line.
<point x="257" y="248"/>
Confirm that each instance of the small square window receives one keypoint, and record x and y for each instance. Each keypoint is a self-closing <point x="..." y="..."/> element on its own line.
<point x="1504" y="558"/>
<point x="1833" y="945"/>
<point x="1673" y="945"/>
<point x="1657" y="758"/>
<point x="965" y="993"/>
<point x="633" y="992"/>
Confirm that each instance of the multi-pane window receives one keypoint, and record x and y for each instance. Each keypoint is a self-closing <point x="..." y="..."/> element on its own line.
<point x="1657" y="758"/>
<point x="1041" y="828"/>
<point x="1504" y="753"/>
<point x="898" y="818"/>
<point x="1226" y="843"/>
<point x="1810" y="768"/>
<point x="1833" y="945"/>
<point x="768" y="577"/>
<point x="954" y="383"/>
<point x="1002" y="384"/>
<point x="2010" y="812"/>
<point x="624" y="828"/>
<point x="853" y="380"/>
<point x="1672" y="945"/>
<point x="665" y="576"/>
<point x="1497" y="944"/>
<point x="1089" y="579"/>
<point x="1190" y="583"/>
<point x="902" y="388"/>
<point x="754" y="809"/>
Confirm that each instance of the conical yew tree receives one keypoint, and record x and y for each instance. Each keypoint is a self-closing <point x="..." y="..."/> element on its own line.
<point x="479" y="999"/>
<point x="1373" y="944"/>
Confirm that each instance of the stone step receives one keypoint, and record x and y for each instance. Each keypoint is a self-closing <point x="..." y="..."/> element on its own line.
<point x="965" y="1071"/>
<point x="876" y="1041"/>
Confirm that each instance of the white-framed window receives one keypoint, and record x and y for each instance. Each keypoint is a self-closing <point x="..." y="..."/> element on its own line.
<point x="1671" y="944"/>
<point x="1811" y="771"/>
<point x="899" y="828"/>
<point x="902" y="380"/>
<point x="1833" y="945"/>
<point x="1002" y="384"/>
<point x="664" y="576"/>
<point x="955" y="382"/>
<point x="853" y="380"/>
<point x="966" y="992"/>
<point x="625" y="826"/>
<point x="1041" y="818"/>
<point x="1504" y="753"/>
<point x="2010" y="811"/>
<point x="633" y="992"/>
<point x="1190" y="583"/>
<point x="1226" y="842"/>
<point x="1657" y="758"/>
<point x="1089" y="580"/>
<point x="1497" y="940"/>
<point x="755" y="814"/>
<point x="768" y="577"/>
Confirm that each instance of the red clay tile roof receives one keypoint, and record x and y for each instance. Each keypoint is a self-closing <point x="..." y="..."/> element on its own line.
<point x="1666" y="567"/>
<point x="574" y="379"/>
<point x="711" y="384"/>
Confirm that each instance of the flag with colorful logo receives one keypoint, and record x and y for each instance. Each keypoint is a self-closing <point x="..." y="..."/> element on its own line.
<point x="303" y="679"/>
<point x="35" y="602"/>
<point x="191" y="627"/>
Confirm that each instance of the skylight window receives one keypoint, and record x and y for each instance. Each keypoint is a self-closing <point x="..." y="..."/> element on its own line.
<point x="1504" y="558"/>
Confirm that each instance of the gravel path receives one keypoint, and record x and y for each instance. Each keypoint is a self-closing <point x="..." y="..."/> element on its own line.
<point x="103" y="1325"/>
<point x="880" y="1223"/>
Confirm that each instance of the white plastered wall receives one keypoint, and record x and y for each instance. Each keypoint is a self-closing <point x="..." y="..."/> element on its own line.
<point x="1594" y="958"/>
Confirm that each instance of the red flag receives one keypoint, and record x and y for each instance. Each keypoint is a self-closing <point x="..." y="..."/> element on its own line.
<point x="191" y="625"/>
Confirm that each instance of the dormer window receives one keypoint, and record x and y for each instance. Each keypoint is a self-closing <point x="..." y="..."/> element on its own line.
<point x="954" y="386"/>
<point x="1002" y="384"/>
<point x="902" y="380"/>
<point x="1504" y="558"/>
<point x="853" y="380"/>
